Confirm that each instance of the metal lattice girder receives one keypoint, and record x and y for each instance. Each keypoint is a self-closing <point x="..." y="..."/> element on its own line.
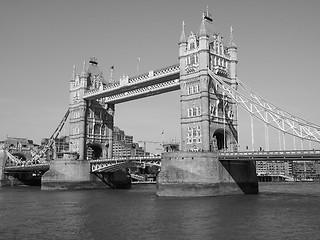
<point x="112" y="164"/>
<point x="13" y="161"/>
<point x="112" y="167"/>
<point x="267" y="112"/>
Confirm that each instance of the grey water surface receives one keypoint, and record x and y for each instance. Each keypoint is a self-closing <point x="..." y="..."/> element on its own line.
<point x="280" y="211"/>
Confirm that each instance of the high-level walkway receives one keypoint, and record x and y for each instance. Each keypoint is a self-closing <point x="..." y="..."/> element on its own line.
<point x="144" y="85"/>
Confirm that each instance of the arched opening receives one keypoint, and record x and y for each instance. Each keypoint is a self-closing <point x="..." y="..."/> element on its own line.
<point x="94" y="152"/>
<point x="220" y="140"/>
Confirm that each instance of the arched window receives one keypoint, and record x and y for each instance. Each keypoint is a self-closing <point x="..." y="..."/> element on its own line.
<point x="192" y="46"/>
<point x="198" y="111"/>
<point x="89" y="129"/>
<point x="103" y="130"/>
<point x="97" y="129"/>
<point x="198" y="134"/>
<point x="189" y="135"/>
<point x="194" y="111"/>
<point x="196" y="88"/>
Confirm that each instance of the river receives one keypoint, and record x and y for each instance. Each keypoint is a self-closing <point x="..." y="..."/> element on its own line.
<point x="280" y="211"/>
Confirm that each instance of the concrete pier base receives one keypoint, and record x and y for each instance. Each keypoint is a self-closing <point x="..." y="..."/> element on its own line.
<point x="2" y="164"/>
<point x="195" y="174"/>
<point x="68" y="174"/>
<point x="4" y="180"/>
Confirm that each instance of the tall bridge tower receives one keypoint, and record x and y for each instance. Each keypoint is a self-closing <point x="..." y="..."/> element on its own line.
<point x="91" y="122"/>
<point x="208" y="117"/>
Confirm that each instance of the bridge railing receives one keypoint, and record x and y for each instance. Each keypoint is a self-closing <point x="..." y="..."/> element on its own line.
<point x="125" y="159"/>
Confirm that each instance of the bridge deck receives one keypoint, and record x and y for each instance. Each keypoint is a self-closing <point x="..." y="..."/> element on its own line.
<point x="27" y="168"/>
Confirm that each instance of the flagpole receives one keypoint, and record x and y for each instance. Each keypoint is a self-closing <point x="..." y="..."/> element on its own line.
<point x="138" y="65"/>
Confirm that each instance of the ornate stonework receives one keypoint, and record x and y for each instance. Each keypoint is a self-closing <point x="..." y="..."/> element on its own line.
<point x="208" y="116"/>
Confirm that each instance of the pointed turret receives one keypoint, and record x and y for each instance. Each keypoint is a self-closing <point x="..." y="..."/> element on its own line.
<point x="84" y="69"/>
<point x="111" y="74"/>
<point x="183" y="38"/>
<point x="206" y="27"/>
<point x="231" y="41"/>
<point x="73" y="78"/>
<point x="203" y="31"/>
<point x="182" y="48"/>
<point x="233" y="54"/>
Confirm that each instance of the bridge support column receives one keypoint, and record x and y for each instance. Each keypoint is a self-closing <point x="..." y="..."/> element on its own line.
<point x="198" y="174"/>
<point x="205" y="123"/>
<point x="110" y="125"/>
<point x="3" y="157"/>
<point x="68" y="174"/>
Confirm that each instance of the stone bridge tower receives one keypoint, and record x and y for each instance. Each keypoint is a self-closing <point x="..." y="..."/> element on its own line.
<point x="91" y="122"/>
<point x="208" y="116"/>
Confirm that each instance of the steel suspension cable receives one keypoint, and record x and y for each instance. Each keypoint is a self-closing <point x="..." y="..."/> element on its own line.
<point x="255" y="107"/>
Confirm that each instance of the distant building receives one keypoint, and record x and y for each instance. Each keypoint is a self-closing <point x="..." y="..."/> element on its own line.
<point x="61" y="144"/>
<point x="306" y="170"/>
<point x="301" y="170"/>
<point x="123" y="145"/>
<point x="19" y="147"/>
<point x="266" y="168"/>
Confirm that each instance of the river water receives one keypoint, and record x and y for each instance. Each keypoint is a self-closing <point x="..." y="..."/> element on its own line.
<point x="280" y="211"/>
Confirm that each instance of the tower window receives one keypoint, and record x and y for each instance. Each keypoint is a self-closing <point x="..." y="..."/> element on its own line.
<point x="194" y="134"/>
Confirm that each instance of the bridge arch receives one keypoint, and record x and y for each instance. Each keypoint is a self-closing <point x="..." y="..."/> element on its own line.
<point x="221" y="138"/>
<point x="95" y="151"/>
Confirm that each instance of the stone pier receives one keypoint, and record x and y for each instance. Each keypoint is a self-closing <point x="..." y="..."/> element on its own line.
<point x="3" y="157"/>
<point x="196" y="174"/>
<point x="70" y="173"/>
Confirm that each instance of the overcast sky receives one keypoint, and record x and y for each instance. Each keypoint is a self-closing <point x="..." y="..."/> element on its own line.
<point x="41" y="40"/>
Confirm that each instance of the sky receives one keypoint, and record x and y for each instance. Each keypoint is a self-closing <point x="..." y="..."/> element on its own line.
<point x="41" y="40"/>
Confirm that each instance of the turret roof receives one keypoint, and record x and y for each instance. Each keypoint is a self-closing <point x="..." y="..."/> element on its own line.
<point x="206" y="27"/>
<point x="183" y="38"/>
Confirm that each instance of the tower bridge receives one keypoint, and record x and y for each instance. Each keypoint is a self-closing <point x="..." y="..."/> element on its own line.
<point x="210" y="96"/>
